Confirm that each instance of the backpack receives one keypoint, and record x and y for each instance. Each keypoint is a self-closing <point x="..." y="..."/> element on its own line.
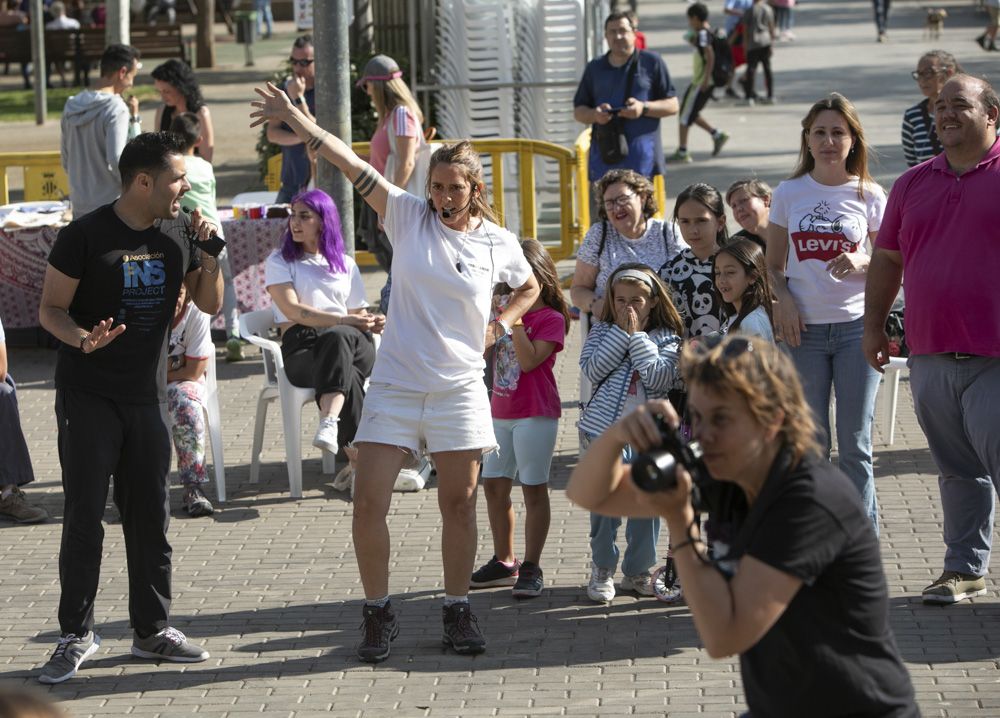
<point x="723" y="68"/>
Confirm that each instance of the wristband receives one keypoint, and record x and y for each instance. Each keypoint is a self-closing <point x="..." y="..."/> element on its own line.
<point x="645" y="109"/>
<point x="300" y="100"/>
<point x="506" y="327"/>
<point x="82" y="340"/>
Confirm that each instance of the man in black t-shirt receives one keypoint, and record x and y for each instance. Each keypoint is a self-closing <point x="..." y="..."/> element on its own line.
<point x="109" y="295"/>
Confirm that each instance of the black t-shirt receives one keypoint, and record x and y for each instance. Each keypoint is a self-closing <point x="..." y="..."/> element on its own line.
<point x="133" y="277"/>
<point x="831" y="653"/>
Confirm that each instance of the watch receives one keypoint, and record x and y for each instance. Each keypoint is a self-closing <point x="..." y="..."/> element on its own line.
<point x="507" y="331"/>
<point x="645" y="109"/>
<point x="300" y="100"/>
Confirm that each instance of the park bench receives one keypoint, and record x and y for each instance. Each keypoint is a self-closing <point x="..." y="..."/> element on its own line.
<point x="15" y="45"/>
<point x="152" y="41"/>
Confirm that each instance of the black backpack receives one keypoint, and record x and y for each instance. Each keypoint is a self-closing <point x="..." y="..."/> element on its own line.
<point x="723" y="68"/>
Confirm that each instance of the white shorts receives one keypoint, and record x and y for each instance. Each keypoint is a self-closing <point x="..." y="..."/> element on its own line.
<point x="453" y="420"/>
<point x="526" y="447"/>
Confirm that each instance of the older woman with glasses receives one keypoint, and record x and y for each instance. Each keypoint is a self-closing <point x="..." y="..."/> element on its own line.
<point x="920" y="140"/>
<point x="799" y="592"/>
<point x="626" y="232"/>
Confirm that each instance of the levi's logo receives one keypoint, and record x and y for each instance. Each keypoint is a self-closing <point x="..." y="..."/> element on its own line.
<point x="821" y="245"/>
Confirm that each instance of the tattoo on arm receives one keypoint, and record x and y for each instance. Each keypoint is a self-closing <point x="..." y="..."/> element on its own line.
<point x="306" y="314"/>
<point x="367" y="181"/>
<point x="316" y="141"/>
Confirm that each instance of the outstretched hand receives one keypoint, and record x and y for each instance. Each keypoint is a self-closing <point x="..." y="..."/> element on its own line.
<point x="274" y="105"/>
<point x="101" y="335"/>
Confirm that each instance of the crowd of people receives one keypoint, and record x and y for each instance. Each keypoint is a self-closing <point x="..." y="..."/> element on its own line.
<point x="724" y="350"/>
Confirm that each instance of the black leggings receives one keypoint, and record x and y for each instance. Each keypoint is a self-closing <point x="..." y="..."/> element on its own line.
<point x="336" y="361"/>
<point x="759" y="56"/>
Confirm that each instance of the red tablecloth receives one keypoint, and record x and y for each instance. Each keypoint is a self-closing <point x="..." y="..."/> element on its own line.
<point x="24" y="256"/>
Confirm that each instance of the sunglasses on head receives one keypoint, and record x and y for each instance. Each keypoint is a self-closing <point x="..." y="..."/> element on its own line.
<point x="735" y="346"/>
<point x="301" y="63"/>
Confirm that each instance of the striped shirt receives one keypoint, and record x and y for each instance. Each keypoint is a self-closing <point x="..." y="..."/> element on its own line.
<point x="919" y="135"/>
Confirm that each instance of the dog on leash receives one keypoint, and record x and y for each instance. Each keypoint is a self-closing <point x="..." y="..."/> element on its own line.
<point x="934" y="23"/>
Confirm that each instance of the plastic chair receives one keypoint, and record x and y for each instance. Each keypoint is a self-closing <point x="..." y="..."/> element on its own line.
<point x="261" y="197"/>
<point x="896" y="366"/>
<point x="214" y="416"/>
<point x="255" y="327"/>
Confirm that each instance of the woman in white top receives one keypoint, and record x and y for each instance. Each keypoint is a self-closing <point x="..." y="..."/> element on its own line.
<point x="427" y="386"/>
<point x="821" y="223"/>
<point x="627" y="233"/>
<point x="320" y="308"/>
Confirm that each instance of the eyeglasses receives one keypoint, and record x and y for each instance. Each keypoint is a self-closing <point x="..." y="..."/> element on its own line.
<point x="927" y="74"/>
<point x="301" y="63"/>
<point x="621" y="200"/>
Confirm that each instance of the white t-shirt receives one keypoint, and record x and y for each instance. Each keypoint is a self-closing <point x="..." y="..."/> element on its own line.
<point x="756" y="323"/>
<point x="190" y="339"/>
<point x="315" y="284"/>
<point x="823" y="222"/>
<point x="434" y="338"/>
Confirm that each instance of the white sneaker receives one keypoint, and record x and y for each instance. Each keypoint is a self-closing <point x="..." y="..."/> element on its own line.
<point x="602" y="585"/>
<point x="326" y="435"/>
<point x="413" y="478"/>
<point x="641" y="584"/>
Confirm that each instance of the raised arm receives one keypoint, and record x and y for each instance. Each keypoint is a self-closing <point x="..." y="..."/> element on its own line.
<point x="274" y="106"/>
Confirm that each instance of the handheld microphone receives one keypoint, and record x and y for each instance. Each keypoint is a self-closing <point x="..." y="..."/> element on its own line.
<point x="213" y="246"/>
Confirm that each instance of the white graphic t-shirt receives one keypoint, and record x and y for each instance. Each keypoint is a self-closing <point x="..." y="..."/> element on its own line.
<point x="824" y="222"/>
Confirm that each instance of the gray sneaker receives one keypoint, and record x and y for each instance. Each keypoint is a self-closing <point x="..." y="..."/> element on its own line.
<point x="71" y="651"/>
<point x="168" y="645"/>
<point x="952" y="587"/>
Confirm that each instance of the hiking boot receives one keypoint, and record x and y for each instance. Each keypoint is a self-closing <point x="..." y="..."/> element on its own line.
<point x="679" y="156"/>
<point x="71" y="651"/>
<point x="494" y="573"/>
<point x="380" y="629"/>
<point x="952" y="587"/>
<point x="641" y="584"/>
<point x="529" y="581"/>
<point x="234" y="349"/>
<point x="602" y="585"/>
<point x="326" y="434"/>
<point x="718" y="141"/>
<point x="461" y="629"/>
<point x="196" y="503"/>
<point x="15" y="506"/>
<point x="168" y="645"/>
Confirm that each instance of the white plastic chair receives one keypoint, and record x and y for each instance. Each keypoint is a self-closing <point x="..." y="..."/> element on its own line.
<point x="896" y="366"/>
<point x="254" y="327"/>
<point x="261" y="197"/>
<point x="214" y="416"/>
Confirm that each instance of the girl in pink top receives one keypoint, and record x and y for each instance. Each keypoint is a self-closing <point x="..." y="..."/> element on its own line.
<point x="526" y="410"/>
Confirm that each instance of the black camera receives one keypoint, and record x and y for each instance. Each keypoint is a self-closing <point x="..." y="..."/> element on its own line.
<point x="656" y="470"/>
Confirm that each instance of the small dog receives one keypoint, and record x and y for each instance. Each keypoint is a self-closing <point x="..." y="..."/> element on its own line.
<point x="935" y="23"/>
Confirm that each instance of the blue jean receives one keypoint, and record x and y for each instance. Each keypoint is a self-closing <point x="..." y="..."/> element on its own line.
<point x="641" y="535"/>
<point x="956" y="404"/>
<point x="830" y="354"/>
<point x="263" y="8"/>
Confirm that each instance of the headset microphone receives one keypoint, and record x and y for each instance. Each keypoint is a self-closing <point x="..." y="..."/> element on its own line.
<point x="449" y="213"/>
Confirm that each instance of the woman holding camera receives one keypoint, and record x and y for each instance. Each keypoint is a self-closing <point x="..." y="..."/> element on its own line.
<point x="798" y="590"/>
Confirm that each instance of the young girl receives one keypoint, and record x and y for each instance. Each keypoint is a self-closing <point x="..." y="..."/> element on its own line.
<point x="742" y="283"/>
<point x="630" y="356"/>
<point x="701" y="215"/>
<point x="526" y="410"/>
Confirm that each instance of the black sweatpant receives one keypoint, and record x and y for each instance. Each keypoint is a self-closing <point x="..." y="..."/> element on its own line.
<point x="759" y="56"/>
<point x="336" y="361"/>
<point x="15" y="462"/>
<point x="99" y="437"/>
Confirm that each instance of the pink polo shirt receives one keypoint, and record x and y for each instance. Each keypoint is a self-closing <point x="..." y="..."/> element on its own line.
<point x="947" y="228"/>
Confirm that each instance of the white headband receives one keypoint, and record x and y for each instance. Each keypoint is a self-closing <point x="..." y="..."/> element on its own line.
<point x="633" y="274"/>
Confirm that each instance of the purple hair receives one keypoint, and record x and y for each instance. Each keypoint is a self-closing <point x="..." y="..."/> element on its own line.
<point x="331" y="242"/>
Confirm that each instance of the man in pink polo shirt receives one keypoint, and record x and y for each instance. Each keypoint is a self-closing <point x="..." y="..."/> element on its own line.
<point x="942" y="229"/>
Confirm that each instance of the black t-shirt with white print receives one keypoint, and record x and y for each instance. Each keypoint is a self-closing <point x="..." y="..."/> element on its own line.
<point x="692" y="289"/>
<point x="133" y="277"/>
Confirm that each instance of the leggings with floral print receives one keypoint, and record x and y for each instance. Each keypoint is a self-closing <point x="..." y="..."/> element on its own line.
<point x="185" y="405"/>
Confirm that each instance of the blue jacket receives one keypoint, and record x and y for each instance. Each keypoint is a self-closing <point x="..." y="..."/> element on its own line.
<point x="609" y="357"/>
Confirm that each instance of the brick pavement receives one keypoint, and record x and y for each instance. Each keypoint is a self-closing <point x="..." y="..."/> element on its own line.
<point x="270" y="584"/>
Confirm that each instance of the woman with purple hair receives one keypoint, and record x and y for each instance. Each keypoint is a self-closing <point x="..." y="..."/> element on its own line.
<point x="319" y="306"/>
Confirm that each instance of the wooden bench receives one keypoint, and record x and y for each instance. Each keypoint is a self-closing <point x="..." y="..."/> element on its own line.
<point x="152" y="41"/>
<point x="15" y="46"/>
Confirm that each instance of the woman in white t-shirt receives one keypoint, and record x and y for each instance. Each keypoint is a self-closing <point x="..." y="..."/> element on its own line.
<point x="427" y="386"/>
<point x="319" y="306"/>
<point x="822" y="223"/>
<point x="627" y="232"/>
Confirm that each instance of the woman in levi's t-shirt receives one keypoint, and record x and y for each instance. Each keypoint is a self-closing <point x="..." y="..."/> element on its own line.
<point x="526" y="408"/>
<point x="822" y="222"/>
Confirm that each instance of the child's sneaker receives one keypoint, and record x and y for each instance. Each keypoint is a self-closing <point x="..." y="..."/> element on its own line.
<point x="529" y="581"/>
<point x="641" y="584"/>
<point x="602" y="586"/>
<point x="495" y="573"/>
<point x="234" y="350"/>
<point x="719" y="139"/>
<point x="680" y="156"/>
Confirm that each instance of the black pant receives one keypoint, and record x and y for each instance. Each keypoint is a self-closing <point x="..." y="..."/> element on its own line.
<point x="337" y="361"/>
<point x="759" y="56"/>
<point x="881" y="15"/>
<point x="15" y="463"/>
<point x="99" y="437"/>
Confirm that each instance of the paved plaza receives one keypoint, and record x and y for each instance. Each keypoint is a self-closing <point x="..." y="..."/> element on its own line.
<point x="270" y="586"/>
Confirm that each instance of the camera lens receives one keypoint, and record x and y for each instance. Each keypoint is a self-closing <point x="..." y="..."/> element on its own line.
<point x="655" y="471"/>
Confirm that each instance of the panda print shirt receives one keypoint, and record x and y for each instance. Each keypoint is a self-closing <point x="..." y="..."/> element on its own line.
<point x="692" y="289"/>
<point x="823" y="222"/>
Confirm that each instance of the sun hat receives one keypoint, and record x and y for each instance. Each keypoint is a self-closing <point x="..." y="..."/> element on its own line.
<point x="380" y="67"/>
